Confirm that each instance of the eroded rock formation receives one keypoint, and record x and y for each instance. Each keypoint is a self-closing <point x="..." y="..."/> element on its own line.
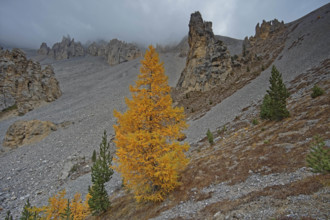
<point x="23" y="83"/>
<point x="63" y="50"/>
<point x="208" y="61"/>
<point x="27" y="132"/>
<point x="115" y="51"/>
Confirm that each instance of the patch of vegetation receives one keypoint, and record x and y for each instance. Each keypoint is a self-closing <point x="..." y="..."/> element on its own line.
<point x="10" y="108"/>
<point x="262" y="68"/>
<point x="274" y="103"/>
<point x="255" y="121"/>
<point x="319" y="157"/>
<point x="266" y="142"/>
<point x="74" y="168"/>
<point x="210" y="136"/>
<point x="317" y="91"/>
<point x="247" y="69"/>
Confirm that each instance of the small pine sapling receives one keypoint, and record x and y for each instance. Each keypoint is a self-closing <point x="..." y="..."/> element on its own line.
<point x="210" y="136"/>
<point x="319" y="157"/>
<point x="26" y="213"/>
<point x="94" y="156"/>
<point x="317" y="91"/>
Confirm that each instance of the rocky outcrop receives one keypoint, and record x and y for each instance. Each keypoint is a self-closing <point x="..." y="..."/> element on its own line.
<point x="266" y="44"/>
<point x="23" y="83"/>
<point x="63" y="50"/>
<point x="44" y="49"/>
<point x="115" y="51"/>
<point x="208" y="61"/>
<point x="267" y="28"/>
<point x="27" y="132"/>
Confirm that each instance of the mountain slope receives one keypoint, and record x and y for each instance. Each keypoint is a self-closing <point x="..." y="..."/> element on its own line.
<point x="92" y="89"/>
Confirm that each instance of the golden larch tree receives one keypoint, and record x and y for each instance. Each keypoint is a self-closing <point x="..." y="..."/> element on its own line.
<point x="149" y="157"/>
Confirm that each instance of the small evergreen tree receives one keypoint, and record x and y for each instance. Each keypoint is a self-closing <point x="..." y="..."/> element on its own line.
<point x="94" y="156"/>
<point x="274" y="103"/>
<point x="101" y="173"/>
<point x="209" y="136"/>
<point x="67" y="215"/>
<point x="27" y="214"/>
<point x="319" y="157"/>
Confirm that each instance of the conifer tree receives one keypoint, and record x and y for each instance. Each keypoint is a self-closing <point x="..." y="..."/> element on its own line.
<point x="274" y="103"/>
<point x="149" y="156"/>
<point x="67" y="215"/>
<point x="101" y="173"/>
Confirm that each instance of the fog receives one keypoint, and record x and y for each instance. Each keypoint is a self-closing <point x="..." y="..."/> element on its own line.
<point x="29" y="23"/>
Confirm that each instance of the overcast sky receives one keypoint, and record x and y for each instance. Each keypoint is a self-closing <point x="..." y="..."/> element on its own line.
<point x="26" y="23"/>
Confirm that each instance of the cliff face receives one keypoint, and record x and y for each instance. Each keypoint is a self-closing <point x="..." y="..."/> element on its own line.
<point x="24" y="83"/>
<point x="115" y="51"/>
<point x="208" y="61"/>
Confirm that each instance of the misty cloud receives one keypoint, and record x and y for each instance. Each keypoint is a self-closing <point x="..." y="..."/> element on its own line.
<point x="28" y="23"/>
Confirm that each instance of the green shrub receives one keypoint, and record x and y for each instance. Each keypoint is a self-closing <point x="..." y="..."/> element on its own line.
<point x="274" y="103"/>
<point x="262" y="68"/>
<point x="255" y="121"/>
<point x="247" y="69"/>
<point x="209" y="136"/>
<point x="317" y="91"/>
<point x="319" y="157"/>
<point x="9" y="216"/>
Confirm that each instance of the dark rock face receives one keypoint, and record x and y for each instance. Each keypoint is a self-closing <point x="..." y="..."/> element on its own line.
<point x="24" y="83"/>
<point x="63" y="50"/>
<point x="208" y="61"/>
<point x="115" y="51"/>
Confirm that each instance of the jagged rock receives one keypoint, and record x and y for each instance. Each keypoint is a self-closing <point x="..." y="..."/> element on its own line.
<point x="27" y="132"/>
<point x="63" y="50"/>
<point x="115" y="51"/>
<point x="24" y="83"/>
<point x="44" y="49"/>
<point x="267" y="28"/>
<point x="208" y="62"/>
<point x="268" y="40"/>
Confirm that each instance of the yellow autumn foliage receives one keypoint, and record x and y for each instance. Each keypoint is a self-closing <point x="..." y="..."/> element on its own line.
<point x="149" y="157"/>
<point x="57" y="205"/>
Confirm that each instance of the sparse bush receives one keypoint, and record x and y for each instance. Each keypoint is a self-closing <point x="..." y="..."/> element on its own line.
<point x="262" y="68"/>
<point x="319" y="157"/>
<point x="10" y="108"/>
<point x="317" y="91"/>
<point x="209" y="136"/>
<point x="210" y="102"/>
<point x="266" y="142"/>
<point x="247" y="69"/>
<point x="255" y="121"/>
<point x="274" y="103"/>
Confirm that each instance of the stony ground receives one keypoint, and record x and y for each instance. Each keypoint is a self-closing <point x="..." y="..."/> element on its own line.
<point x="92" y="89"/>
